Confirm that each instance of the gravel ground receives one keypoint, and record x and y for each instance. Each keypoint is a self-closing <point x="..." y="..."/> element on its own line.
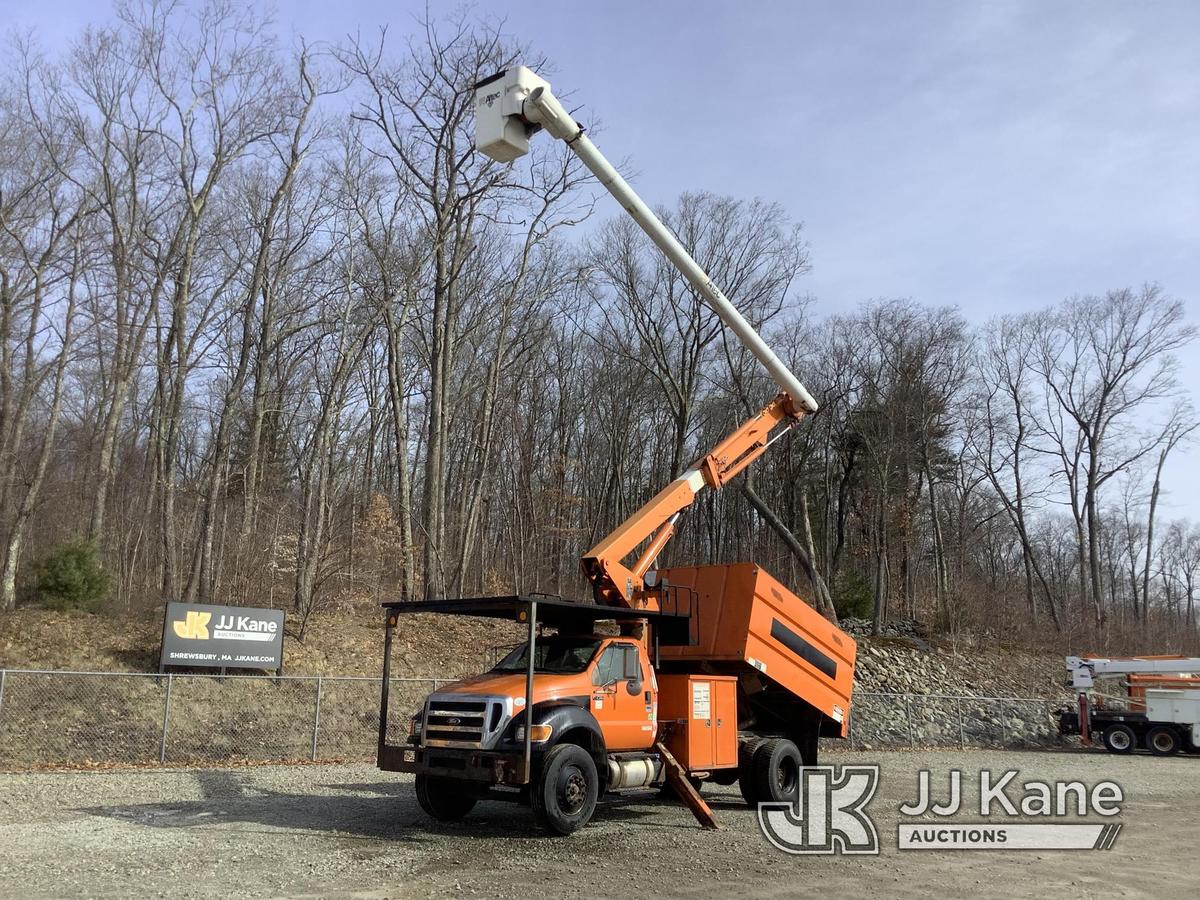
<point x="351" y="831"/>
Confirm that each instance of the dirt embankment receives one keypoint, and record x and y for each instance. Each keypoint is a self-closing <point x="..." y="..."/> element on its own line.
<point x="347" y="641"/>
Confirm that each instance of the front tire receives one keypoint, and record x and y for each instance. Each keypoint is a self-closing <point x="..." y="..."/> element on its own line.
<point x="564" y="797"/>
<point x="443" y="798"/>
<point x="1119" y="739"/>
<point x="1163" y="740"/>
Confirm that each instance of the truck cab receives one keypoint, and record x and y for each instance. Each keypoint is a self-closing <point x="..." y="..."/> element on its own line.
<point x="609" y="680"/>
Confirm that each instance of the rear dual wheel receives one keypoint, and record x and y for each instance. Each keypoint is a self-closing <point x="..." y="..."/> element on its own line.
<point x="769" y="771"/>
<point x="746" y="751"/>
<point x="1163" y="740"/>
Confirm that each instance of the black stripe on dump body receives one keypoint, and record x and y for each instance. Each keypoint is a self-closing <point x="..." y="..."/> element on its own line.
<point x="803" y="648"/>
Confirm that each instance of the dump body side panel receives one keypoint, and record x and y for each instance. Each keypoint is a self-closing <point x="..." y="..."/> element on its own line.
<point x="745" y="615"/>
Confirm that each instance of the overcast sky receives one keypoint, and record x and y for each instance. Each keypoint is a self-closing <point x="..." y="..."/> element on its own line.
<point x="993" y="156"/>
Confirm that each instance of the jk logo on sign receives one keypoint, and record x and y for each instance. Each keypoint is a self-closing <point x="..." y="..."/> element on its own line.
<point x="194" y="626"/>
<point x="829" y="815"/>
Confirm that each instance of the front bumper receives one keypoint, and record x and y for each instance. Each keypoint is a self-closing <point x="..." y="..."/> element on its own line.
<point x="485" y="766"/>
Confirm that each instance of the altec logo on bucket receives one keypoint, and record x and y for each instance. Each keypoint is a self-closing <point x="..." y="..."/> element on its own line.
<point x="830" y="815"/>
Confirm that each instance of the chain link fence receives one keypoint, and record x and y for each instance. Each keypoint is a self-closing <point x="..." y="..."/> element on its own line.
<point x="103" y="718"/>
<point x="99" y="718"/>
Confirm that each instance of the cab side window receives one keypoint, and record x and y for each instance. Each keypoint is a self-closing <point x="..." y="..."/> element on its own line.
<point x="610" y="666"/>
<point x="619" y="663"/>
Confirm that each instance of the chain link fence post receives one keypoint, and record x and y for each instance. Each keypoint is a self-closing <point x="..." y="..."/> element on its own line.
<point x="962" y="731"/>
<point x="1003" y="728"/>
<point x="908" y="714"/>
<point x="162" y="747"/>
<point x="3" y="678"/>
<point x="316" y="720"/>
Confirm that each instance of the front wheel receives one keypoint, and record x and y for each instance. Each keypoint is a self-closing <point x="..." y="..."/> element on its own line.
<point x="564" y="798"/>
<point x="443" y="798"/>
<point x="1163" y="741"/>
<point x="1119" y="739"/>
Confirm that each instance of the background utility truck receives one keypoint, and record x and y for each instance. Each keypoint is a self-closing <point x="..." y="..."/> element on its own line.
<point x="1158" y="709"/>
<point x="709" y="672"/>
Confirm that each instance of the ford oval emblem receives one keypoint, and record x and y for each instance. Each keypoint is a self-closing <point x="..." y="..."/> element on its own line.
<point x="451" y="720"/>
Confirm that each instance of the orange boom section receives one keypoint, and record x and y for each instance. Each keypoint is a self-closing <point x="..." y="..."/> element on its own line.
<point x="744" y="616"/>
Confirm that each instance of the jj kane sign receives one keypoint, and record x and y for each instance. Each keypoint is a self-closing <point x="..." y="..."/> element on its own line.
<point x="233" y="637"/>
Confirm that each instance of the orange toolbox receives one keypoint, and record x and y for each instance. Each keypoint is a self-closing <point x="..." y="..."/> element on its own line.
<point x="703" y="709"/>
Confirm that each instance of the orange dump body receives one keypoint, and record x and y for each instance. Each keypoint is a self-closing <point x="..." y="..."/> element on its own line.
<point x="746" y="620"/>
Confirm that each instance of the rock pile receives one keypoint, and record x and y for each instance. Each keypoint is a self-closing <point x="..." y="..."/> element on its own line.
<point x="909" y="690"/>
<point x="902" y="628"/>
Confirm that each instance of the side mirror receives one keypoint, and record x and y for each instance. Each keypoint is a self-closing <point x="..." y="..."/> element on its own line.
<point x="634" y="686"/>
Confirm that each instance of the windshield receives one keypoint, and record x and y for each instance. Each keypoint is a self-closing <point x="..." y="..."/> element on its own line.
<point x="554" y="655"/>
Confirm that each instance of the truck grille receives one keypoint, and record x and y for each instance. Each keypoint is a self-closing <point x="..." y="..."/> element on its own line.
<point x="468" y="722"/>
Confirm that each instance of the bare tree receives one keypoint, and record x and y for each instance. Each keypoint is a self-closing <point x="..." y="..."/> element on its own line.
<point x="1106" y="362"/>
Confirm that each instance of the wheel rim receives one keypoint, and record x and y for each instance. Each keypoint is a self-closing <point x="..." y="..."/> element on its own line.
<point x="787" y="776"/>
<point x="571" y="789"/>
<point x="1119" y="739"/>
<point x="1163" y="742"/>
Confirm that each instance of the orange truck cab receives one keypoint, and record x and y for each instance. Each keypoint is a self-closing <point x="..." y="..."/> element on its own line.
<point x="609" y="677"/>
<point x="734" y="682"/>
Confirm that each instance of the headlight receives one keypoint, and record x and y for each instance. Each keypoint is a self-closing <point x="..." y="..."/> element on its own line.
<point x="539" y="734"/>
<point x="414" y="729"/>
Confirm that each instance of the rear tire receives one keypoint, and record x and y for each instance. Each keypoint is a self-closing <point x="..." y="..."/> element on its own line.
<point x="1163" y="740"/>
<point x="443" y="798"/>
<point x="777" y="771"/>
<point x="1119" y="739"/>
<point x="745" y="769"/>
<point x="564" y="797"/>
